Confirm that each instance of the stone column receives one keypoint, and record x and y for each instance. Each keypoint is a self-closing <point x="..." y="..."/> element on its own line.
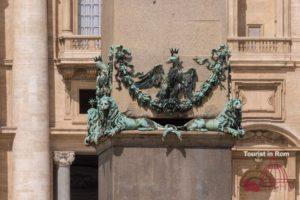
<point x="67" y="27"/>
<point x="63" y="160"/>
<point x="31" y="159"/>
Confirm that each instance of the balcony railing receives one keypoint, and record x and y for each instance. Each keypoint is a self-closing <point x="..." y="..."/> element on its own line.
<point x="78" y="47"/>
<point x="260" y="45"/>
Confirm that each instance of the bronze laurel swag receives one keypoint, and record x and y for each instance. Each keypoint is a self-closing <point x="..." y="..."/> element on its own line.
<point x="105" y="118"/>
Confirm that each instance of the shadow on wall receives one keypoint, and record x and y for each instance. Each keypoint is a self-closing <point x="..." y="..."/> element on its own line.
<point x="242" y="7"/>
<point x="3" y="69"/>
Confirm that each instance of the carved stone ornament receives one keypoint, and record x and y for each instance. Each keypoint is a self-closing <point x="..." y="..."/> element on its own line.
<point x="105" y="119"/>
<point x="64" y="158"/>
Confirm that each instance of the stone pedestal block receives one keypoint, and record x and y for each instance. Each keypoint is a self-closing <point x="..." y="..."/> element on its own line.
<point x="137" y="166"/>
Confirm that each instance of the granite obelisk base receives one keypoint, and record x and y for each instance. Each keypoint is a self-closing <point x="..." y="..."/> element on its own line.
<point x="139" y="166"/>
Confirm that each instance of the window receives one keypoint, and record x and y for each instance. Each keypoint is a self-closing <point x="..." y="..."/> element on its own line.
<point x="254" y="30"/>
<point x="84" y="96"/>
<point x="89" y="13"/>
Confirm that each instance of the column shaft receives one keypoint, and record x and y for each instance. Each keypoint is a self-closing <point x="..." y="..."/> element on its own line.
<point x="31" y="169"/>
<point x="63" y="160"/>
<point x="63" y="183"/>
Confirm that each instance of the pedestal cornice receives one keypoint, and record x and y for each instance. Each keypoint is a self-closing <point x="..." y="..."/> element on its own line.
<point x="154" y="139"/>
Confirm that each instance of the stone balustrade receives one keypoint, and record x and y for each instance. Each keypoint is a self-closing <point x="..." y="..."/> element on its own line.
<point x="78" y="47"/>
<point x="260" y="45"/>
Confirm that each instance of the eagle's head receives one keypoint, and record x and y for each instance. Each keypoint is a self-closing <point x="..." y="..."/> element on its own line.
<point x="174" y="58"/>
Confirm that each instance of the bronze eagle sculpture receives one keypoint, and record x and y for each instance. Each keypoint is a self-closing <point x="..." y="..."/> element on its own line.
<point x="172" y="85"/>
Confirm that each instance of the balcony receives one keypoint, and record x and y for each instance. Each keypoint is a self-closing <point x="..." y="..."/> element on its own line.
<point x="78" y="49"/>
<point x="246" y="48"/>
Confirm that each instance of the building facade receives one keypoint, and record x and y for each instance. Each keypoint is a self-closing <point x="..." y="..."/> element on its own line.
<point x="47" y="75"/>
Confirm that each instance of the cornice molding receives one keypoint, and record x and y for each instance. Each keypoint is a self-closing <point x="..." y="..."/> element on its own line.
<point x="267" y="64"/>
<point x="77" y="72"/>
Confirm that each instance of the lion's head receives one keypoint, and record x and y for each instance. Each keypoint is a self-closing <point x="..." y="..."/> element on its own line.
<point x="103" y="118"/>
<point x="232" y="114"/>
<point x="108" y="108"/>
<point x="235" y="104"/>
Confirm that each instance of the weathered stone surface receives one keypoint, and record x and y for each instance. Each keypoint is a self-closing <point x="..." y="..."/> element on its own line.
<point x="140" y="166"/>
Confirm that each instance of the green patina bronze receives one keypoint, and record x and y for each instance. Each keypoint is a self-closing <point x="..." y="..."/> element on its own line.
<point x="228" y="121"/>
<point x="172" y="85"/>
<point x="104" y="78"/>
<point x="105" y="119"/>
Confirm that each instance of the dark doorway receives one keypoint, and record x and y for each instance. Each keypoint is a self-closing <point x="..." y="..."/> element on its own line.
<point x="84" y="178"/>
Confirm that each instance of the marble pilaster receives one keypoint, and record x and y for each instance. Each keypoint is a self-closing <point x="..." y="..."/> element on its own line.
<point x="67" y="27"/>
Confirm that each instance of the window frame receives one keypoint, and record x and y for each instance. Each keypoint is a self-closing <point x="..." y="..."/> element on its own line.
<point x="77" y="85"/>
<point x="76" y="17"/>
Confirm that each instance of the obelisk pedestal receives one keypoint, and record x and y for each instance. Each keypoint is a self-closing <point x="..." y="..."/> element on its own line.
<point x="139" y="165"/>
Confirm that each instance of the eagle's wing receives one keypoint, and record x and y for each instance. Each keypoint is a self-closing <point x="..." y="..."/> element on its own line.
<point x="189" y="79"/>
<point x="153" y="78"/>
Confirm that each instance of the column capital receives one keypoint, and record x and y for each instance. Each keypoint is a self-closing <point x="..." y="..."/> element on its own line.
<point x="64" y="158"/>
